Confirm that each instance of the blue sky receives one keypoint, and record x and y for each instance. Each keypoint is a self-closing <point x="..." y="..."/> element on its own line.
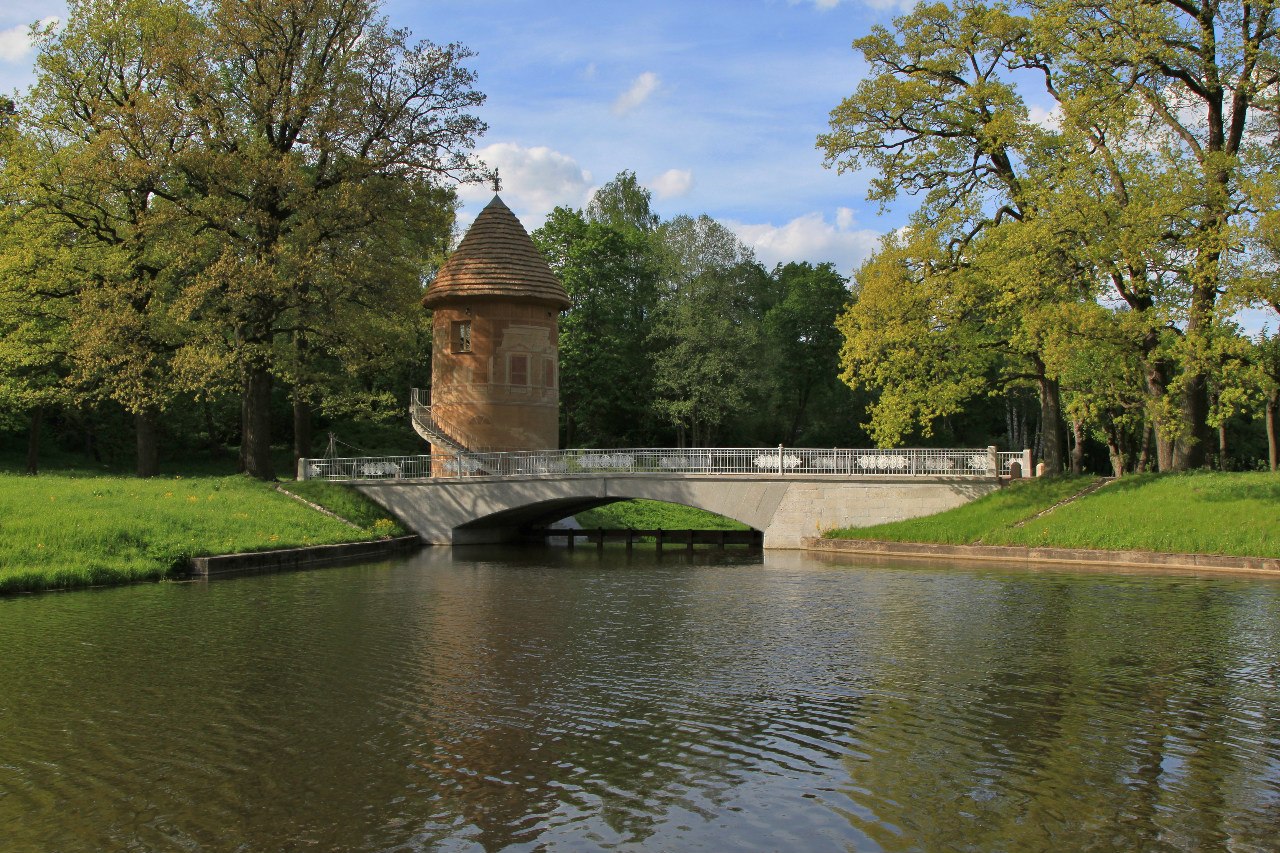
<point x="714" y="104"/>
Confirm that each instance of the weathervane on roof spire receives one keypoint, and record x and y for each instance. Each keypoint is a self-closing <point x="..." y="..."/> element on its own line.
<point x="497" y="182"/>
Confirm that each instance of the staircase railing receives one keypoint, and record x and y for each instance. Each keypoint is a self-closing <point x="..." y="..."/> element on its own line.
<point x="425" y="425"/>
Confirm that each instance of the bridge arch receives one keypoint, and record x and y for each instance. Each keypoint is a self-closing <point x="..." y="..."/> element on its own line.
<point x="548" y="512"/>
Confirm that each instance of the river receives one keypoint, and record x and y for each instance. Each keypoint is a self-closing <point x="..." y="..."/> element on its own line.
<point x="488" y="699"/>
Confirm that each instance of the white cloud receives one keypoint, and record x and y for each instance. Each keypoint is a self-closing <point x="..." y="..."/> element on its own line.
<point x="1047" y="119"/>
<point x="672" y="183"/>
<point x="811" y="238"/>
<point x="16" y="43"/>
<point x="534" y="180"/>
<point x="641" y="88"/>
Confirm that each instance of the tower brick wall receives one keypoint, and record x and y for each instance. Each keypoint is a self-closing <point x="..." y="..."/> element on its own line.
<point x="495" y="371"/>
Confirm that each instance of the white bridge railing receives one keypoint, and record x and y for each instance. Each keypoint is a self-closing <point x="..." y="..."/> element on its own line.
<point x="974" y="462"/>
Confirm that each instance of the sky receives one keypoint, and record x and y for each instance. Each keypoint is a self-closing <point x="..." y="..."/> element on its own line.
<point x="714" y="104"/>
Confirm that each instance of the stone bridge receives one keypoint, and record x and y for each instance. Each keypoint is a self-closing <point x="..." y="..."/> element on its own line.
<point x="788" y="508"/>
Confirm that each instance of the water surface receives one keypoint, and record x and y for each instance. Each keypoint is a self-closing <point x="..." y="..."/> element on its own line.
<point x="531" y="700"/>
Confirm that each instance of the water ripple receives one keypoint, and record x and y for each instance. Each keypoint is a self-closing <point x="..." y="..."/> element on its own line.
<point x="567" y="701"/>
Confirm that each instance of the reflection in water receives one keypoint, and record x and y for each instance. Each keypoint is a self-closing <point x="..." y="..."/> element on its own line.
<point x="489" y="699"/>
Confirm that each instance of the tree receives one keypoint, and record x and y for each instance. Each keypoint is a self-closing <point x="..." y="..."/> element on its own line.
<point x="624" y="204"/>
<point x="606" y="378"/>
<point x="706" y="330"/>
<point x="1130" y="197"/>
<point x="37" y="303"/>
<point x="1095" y="354"/>
<point x="1267" y="357"/>
<point x="254" y="186"/>
<point x="800" y="337"/>
<point x="317" y="121"/>
<point x="1201" y="72"/>
<point x="909" y="338"/>
<point x="939" y="118"/>
<point x="102" y="132"/>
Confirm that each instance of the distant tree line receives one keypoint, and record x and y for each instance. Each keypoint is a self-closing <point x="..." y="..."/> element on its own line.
<point x="1093" y="253"/>
<point x="678" y="336"/>
<point x="204" y="205"/>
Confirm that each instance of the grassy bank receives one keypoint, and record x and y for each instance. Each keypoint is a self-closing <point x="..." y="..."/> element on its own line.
<point x="67" y="530"/>
<point x="1193" y="513"/>
<point x="651" y="515"/>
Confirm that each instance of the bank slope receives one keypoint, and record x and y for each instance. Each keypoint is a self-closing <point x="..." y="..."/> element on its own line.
<point x="1232" y="514"/>
<point x="64" y="530"/>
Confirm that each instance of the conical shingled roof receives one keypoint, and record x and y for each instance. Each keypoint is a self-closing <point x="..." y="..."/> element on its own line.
<point x="496" y="258"/>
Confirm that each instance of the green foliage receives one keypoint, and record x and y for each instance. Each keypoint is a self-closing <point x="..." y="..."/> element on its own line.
<point x="66" y="530"/>
<point x="623" y="204"/>
<point x="706" y="329"/>
<point x="677" y="335"/>
<point x="1134" y="191"/>
<point x="347" y="503"/>
<point x="652" y="515"/>
<point x="605" y="376"/>
<point x="802" y="349"/>
<point x="932" y="339"/>
<point x="220" y="238"/>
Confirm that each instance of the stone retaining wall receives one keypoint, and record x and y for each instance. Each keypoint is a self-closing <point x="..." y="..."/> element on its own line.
<point x="1060" y="556"/>
<point x="285" y="559"/>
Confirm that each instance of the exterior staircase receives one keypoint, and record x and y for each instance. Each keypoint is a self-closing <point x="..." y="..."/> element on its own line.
<point x="425" y="426"/>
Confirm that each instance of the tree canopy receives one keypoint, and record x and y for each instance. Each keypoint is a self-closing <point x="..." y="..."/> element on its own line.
<point x="254" y="190"/>
<point x="1129" y="192"/>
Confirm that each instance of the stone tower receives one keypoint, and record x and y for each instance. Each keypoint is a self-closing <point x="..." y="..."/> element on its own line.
<point x="495" y="371"/>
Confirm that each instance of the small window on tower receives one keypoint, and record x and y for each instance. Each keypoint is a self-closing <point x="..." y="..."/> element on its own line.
<point x="550" y="367"/>
<point x="461" y="335"/>
<point x="519" y="374"/>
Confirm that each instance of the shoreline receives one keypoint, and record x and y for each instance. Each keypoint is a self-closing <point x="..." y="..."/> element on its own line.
<point x="1073" y="557"/>
<point x="292" y="559"/>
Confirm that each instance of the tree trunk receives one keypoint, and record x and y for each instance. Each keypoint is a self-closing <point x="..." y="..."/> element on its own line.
<point x="144" y="425"/>
<point x="1050" y="421"/>
<point x="1157" y="389"/>
<point x="1144" y="456"/>
<point x="1222" y="446"/>
<point x="1117" y="457"/>
<point x="1273" y="416"/>
<point x="255" y="423"/>
<point x="33" y="440"/>
<point x="301" y="430"/>
<point x="1191" y="450"/>
<point x="1117" y="452"/>
<point x="1077" y="447"/>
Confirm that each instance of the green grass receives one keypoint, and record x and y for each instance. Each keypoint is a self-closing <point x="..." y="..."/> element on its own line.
<point x="971" y="522"/>
<point x="350" y="504"/>
<point x="1206" y="512"/>
<point x="66" y="530"/>
<point x="1236" y="514"/>
<point x="651" y="515"/>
